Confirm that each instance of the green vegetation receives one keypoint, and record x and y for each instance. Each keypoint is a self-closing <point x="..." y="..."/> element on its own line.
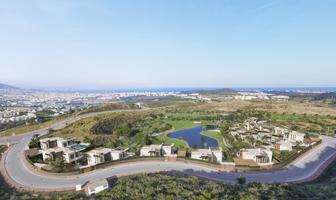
<point x="57" y="165"/>
<point x="110" y="107"/>
<point x="3" y="148"/>
<point x="161" y="102"/>
<point x="217" y="136"/>
<point x="282" y="156"/>
<point x="163" y="138"/>
<point x="10" y="125"/>
<point x="241" y="180"/>
<point x="113" y="130"/>
<point x="44" y="119"/>
<point x="32" y="125"/>
<point x="181" y="124"/>
<point x="168" y="186"/>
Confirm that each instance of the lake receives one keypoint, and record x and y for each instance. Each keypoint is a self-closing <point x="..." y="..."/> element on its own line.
<point x="194" y="138"/>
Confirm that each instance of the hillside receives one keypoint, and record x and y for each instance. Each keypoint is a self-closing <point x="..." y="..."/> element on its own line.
<point x="7" y="87"/>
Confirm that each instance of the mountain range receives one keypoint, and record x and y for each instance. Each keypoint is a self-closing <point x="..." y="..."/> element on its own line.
<point x="8" y="87"/>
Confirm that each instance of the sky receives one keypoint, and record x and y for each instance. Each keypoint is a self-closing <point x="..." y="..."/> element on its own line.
<point x="106" y="44"/>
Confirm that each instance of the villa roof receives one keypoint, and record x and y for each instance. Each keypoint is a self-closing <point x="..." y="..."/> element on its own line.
<point x="52" y="139"/>
<point x="97" y="183"/>
<point x="100" y="150"/>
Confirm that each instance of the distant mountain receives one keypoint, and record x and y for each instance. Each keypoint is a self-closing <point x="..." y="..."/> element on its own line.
<point x="8" y="87"/>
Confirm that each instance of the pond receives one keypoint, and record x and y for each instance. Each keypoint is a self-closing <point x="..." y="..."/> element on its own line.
<point x="194" y="138"/>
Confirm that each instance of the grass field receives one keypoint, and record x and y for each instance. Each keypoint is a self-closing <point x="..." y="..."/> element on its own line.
<point x="165" y="139"/>
<point x="177" y="125"/>
<point x="272" y="106"/>
<point x="181" y="124"/>
<point x="217" y="136"/>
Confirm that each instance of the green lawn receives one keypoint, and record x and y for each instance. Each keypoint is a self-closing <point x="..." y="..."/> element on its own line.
<point x="217" y="136"/>
<point x="181" y="124"/>
<point x="177" y="125"/>
<point x="178" y="143"/>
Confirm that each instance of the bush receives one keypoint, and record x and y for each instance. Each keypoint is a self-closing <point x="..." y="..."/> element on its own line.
<point x="241" y="180"/>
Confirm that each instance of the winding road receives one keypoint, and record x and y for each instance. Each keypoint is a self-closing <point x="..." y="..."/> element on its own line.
<point x="303" y="169"/>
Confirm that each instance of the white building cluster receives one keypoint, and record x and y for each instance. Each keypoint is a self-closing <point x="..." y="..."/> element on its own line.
<point x="60" y="148"/>
<point x="60" y="103"/>
<point x="255" y="131"/>
<point x="260" y="96"/>
<point x="69" y="151"/>
<point x="16" y="114"/>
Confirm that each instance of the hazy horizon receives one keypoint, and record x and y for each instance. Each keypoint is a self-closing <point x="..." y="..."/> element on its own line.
<point x="167" y="44"/>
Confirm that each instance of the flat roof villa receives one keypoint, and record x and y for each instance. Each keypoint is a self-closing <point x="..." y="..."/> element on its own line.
<point x="156" y="150"/>
<point x="60" y="148"/>
<point x="96" y="186"/>
<point x="210" y="154"/>
<point x="283" y="145"/>
<point x="53" y="142"/>
<point x="258" y="155"/>
<point x="295" y="136"/>
<point x="101" y="155"/>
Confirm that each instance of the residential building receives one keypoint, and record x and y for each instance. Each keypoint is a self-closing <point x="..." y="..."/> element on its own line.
<point x="210" y="154"/>
<point x="295" y="136"/>
<point x="53" y="142"/>
<point x="156" y="150"/>
<point x="280" y="131"/>
<point x="260" y="156"/>
<point x="94" y="187"/>
<point x="60" y="148"/>
<point x="119" y="154"/>
<point x="71" y="155"/>
<point x="99" y="155"/>
<point x="151" y="150"/>
<point x="283" y="145"/>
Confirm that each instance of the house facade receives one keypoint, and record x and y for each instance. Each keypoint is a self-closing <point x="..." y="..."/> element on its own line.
<point x="99" y="155"/>
<point x="283" y="145"/>
<point x="157" y="150"/>
<point x="60" y="148"/>
<point x="210" y="154"/>
<point x="295" y="136"/>
<point x="260" y="156"/>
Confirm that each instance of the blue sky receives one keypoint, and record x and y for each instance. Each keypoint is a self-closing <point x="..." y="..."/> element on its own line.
<point x="190" y="43"/>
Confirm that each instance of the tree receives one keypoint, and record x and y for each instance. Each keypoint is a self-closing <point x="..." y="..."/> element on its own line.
<point x="241" y="180"/>
<point x="57" y="165"/>
<point x="35" y="141"/>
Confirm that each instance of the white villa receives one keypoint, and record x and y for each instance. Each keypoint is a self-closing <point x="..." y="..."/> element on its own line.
<point x="260" y="156"/>
<point x="295" y="136"/>
<point x="283" y="145"/>
<point x="101" y="155"/>
<point x="94" y="187"/>
<point x="53" y="142"/>
<point x="60" y="148"/>
<point x="210" y="154"/>
<point x="280" y="131"/>
<point x="156" y="150"/>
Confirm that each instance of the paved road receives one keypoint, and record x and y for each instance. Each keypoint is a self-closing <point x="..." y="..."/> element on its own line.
<point x="301" y="169"/>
